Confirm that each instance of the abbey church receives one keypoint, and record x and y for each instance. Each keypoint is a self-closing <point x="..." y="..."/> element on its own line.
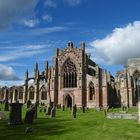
<point x="74" y="78"/>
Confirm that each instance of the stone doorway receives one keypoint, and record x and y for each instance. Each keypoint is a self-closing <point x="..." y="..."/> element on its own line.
<point x="68" y="101"/>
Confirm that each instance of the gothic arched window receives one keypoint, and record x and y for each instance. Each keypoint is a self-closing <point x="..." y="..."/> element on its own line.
<point x="20" y="93"/>
<point x="31" y="92"/>
<point x="16" y="94"/>
<point x="69" y="75"/>
<point x="91" y="91"/>
<point x="43" y="93"/>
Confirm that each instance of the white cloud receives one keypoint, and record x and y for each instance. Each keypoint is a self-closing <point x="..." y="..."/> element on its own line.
<point x="117" y="47"/>
<point x="11" y="9"/>
<point x="47" y="18"/>
<point x="7" y="73"/>
<point x="48" y="30"/>
<point x="30" y="22"/>
<point x="50" y="3"/>
<point x="73" y="2"/>
<point x="10" y="83"/>
<point x="22" y="51"/>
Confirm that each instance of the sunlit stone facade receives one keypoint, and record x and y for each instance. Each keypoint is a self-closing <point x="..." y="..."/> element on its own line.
<point x="72" y="79"/>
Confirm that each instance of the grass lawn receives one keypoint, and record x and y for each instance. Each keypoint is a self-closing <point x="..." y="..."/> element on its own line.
<point x="87" y="126"/>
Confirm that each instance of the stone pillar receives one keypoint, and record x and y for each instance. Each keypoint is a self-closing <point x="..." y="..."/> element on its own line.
<point x="97" y="98"/>
<point x="46" y="71"/>
<point x="36" y="97"/>
<point x="130" y="91"/>
<point x="25" y="92"/>
<point x="104" y="89"/>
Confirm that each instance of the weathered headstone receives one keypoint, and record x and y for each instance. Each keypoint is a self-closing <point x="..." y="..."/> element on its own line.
<point x="15" y="116"/>
<point x="112" y="109"/>
<point x="74" y="110"/>
<point x="63" y="108"/>
<point x="35" y="109"/>
<point x="45" y="110"/>
<point x="29" y="103"/>
<point x="53" y="112"/>
<point x="2" y="115"/>
<point x="49" y="108"/>
<point x="97" y="109"/>
<point x="28" y="130"/>
<point x="40" y="110"/>
<point x="29" y="117"/>
<point x="83" y="109"/>
<point x="6" y="107"/>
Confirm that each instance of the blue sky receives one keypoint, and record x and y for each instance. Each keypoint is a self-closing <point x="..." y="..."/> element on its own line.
<point x="30" y="30"/>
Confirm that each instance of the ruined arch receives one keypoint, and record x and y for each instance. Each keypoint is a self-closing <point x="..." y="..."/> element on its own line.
<point x="16" y="94"/>
<point x="31" y="93"/>
<point x="20" y="92"/>
<point x="43" y="93"/>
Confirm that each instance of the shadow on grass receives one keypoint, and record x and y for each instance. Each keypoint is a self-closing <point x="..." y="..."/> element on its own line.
<point x="42" y="129"/>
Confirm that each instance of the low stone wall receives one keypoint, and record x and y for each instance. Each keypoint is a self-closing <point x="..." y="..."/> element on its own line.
<point x="122" y="116"/>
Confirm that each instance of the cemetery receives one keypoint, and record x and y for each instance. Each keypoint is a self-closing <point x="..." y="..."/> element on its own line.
<point x="35" y="121"/>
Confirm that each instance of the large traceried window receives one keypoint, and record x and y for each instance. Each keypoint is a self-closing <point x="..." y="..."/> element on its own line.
<point x="43" y="93"/>
<point x="91" y="91"/>
<point x="69" y="75"/>
<point x="31" y="92"/>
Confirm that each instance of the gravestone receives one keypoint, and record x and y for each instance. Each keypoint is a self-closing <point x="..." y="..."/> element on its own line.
<point x="29" y="117"/>
<point x="2" y="115"/>
<point x="58" y="106"/>
<point x="40" y="110"/>
<point x="6" y="107"/>
<point x="28" y="130"/>
<point x="49" y="109"/>
<point x="15" y="115"/>
<point x="45" y="110"/>
<point x="29" y="103"/>
<point x="63" y="108"/>
<point x="112" y="109"/>
<point x="83" y="109"/>
<point x="74" y="110"/>
<point x="97" y="109"/>
<point x="53" y="112"/>
<point x="35" y="109"/>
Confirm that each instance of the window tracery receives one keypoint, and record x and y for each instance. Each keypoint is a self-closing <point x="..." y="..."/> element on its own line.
<point x="69" y="75"/>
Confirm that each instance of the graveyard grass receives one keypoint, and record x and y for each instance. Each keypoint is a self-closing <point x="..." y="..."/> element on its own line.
<point x="86" y="126"/>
